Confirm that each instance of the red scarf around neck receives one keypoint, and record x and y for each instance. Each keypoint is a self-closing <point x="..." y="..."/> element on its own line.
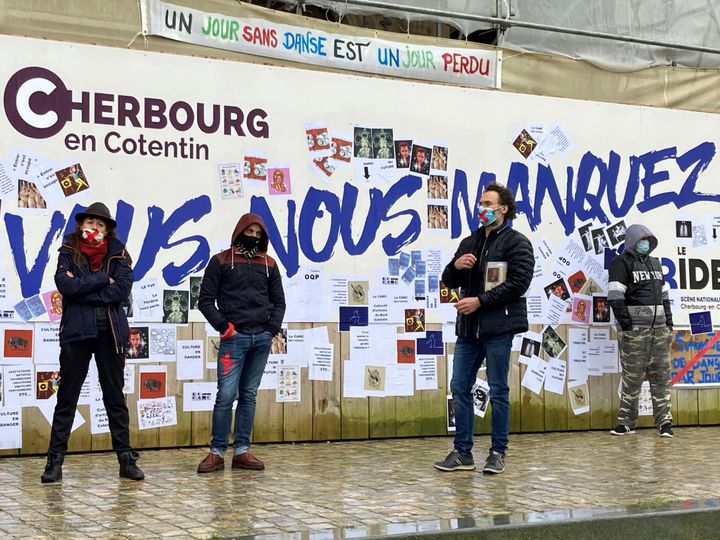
<point x="94" y="251"/>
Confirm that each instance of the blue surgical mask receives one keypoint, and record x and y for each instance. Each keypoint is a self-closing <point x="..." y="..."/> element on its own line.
<point x="643" y="246"/>
<point x="487" y="216"/>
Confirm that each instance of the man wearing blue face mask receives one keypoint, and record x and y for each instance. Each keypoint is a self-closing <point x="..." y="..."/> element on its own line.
<point x="638" y="296"/>
<point x="493" y="268"/>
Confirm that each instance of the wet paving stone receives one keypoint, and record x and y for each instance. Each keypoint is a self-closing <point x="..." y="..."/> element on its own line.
<point x="362" y="487"/>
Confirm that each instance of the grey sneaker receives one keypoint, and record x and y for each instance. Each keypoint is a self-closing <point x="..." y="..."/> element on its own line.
<point x="456" y="462"/>
<point x="495" y="463"/>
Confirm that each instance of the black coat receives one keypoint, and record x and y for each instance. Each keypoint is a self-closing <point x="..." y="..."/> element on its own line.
<point x="503" y="308"/>
<point x="88" y="290"/>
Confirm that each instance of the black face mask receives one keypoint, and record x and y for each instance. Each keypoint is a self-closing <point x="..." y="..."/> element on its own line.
<point x="248" y="243"/>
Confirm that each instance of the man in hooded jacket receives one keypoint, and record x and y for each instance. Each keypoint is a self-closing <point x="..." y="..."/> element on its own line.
<point x="242" y="298"/>
<point x="638" y="296"/>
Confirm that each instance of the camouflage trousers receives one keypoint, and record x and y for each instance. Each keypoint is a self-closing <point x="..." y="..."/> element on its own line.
<point x="645" y="351"/>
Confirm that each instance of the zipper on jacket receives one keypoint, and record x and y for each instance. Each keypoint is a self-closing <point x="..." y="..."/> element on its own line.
<point x="652" y="282"/>
<point x="112" y="330"/>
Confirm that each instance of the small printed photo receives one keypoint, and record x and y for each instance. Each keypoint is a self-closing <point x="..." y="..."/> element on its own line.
<point x="683" y="229"/>
<point x="279" y="181"/>
<point x="590" y="287"/>
<point x="18" y="343"/>
<point x="402" y="153"/>
<point x="447" y="295"/>
<point x="318" y="138"/>
<point x="53" y="305"/>
<point x="439" y="158"/>
<point x="524" y="143"/>
<point x="212" y="349"/>
<point x="195" y="284"/>
<point x="358" y="293"/>
<point x="323" y="165"/>
<point x="394" y="267"/>
<point x="175" y="306"/>
<point x="153" y="384"/>
<point x="481" y="399"/>
<point x="450" y="414"/>
<point x="375" y="378"/>
<point x="29" y="196"/>
<point x="420" y="160"/>
<point x="579" y="397"/>
<point x="552" y="343"/>
<point x="437" y="216"/>
<point x="279" y="342"/>
<point x="576" y="281"/>
<point x="138" y="342"/>
<point x="341" y="149"/>
<point x="529" y="348"/>
<point x="616" y="233"/>
<point x="363" y="142"/>
<point x="586" y="237"/>
<point x="406" y="351"/>
<point x="47" y="384"/>
<point x="415" y="320"/>
<point x="437" y="187"/>
<point x="558" y="288"/>
<point x="72" y="180"/>
<point x="601" y="311"/>
<point x="581" y="309"/>
<point x="255" y="168"/>
<point x="382" y="143"/>
<point x="599" y="241"/>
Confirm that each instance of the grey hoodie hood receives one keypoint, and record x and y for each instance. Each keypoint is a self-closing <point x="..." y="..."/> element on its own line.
<point x="634" y="234"/>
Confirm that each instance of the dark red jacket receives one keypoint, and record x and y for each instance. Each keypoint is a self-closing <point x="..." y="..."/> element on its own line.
<point x="247" y="293"/>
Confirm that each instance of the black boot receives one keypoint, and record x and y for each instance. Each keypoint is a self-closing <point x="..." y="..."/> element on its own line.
<point x="128" y="469"/>
<point x="53" y="468"/>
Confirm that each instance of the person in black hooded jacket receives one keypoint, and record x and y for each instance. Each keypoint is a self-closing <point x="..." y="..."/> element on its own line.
<point x="242" y="298"/>
<point x="95" y="277"/>
<point x="493" y="268"/>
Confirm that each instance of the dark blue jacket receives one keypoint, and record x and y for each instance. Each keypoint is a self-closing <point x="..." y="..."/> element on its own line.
<point x="503" y="308"/>
<point x="88" y="290"/>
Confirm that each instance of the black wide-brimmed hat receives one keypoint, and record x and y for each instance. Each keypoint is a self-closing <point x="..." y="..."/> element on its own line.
<point x="97" y="209"/>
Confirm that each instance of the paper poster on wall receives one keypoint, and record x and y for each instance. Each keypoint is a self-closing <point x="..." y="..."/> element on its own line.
<point x="10" y="428"/>
<point x="155" y="413"/>
<point x="288" y="384"/>
<point x="153" y="382"/>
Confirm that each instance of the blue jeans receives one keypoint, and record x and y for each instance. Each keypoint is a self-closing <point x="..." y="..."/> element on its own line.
<point x="241" y="362"/>
<point x="469" y="356"/>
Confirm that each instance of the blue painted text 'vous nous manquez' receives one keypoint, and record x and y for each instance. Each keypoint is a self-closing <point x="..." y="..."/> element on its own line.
<point x="575" y="202"/>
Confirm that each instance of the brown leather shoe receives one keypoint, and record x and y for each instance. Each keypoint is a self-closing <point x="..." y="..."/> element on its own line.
<point x="211" y="463"/>
<point x="247" y="461"/>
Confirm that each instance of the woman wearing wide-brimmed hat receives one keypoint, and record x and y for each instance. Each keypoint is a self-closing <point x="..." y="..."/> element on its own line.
<point x="95" y="277"/>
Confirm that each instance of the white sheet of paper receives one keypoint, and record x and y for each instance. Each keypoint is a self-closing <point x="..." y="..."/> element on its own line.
<point x="10" y="428"/>
<point x="46" y="343"/>
<point x="360" y="344"/>
<point x="158" y="412"/>
<point x="556" y="308"/>
<point x="147" y="304"/>
<point x="481" y="387"/>
<point x="535" y="311"/>
<point x="321" y="363"/>
<point x="190" y="358"/>
<point x="199" y="396"/>
<point x="305" y="296"/>
<point x="555" y="378"/>
<point x="47" y="408"/>
<point x="379" y="307"/>
<point x="426" y="373"/>
<point x="163" y="339"/>
<point x="99" y="422"/>
<point x="609" y="356"/>
<point x="577" y="354"/>
<point x="269" y="378"/>
<point x="18" y="383"/>
<point x="353" y="379"/>
<point x="399" y="380"/>
<point x="129" y="387"/>
<point x="534" y="376"/>
<point x="338" y="291"/>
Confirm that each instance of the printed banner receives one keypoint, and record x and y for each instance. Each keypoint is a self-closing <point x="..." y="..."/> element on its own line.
<point x="470" y="67"/>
